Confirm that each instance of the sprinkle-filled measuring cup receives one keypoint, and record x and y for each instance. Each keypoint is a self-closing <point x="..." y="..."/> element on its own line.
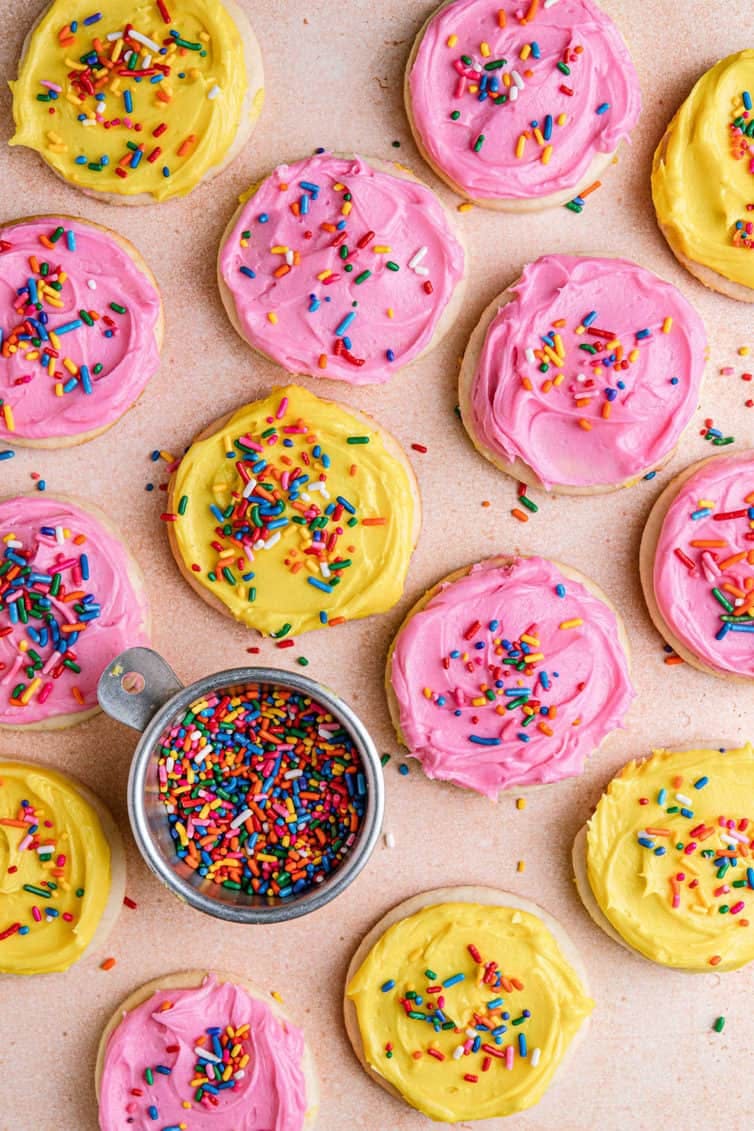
<point x="140" y="689"/>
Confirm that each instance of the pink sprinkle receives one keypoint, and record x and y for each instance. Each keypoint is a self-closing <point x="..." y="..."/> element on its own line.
<point x="59" y="861"/>
<point x="37" y="914"/>
<point x="727" y="371"/>
<point x="67" y="916"/>
<point x="690" y="848"/>
<point x="509" y="1057"/>
<point x="737" y="907"/>
<point x="281" y="408"/>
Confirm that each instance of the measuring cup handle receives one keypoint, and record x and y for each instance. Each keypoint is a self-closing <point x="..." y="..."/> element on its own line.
<point x="135" y="685"/>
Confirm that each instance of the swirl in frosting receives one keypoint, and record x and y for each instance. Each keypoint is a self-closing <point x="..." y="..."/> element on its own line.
<point x="703" y="576"/>
<point x="669" y="860"/>
<point x="81" y="328"/>
<point x="210" y="1057"/>
<point x="514" y="100"/>
<point x="70" y="601"/>
<point x="336" y="269"/>
<point x="509" y="676"/>
<point x="589" y="374"/>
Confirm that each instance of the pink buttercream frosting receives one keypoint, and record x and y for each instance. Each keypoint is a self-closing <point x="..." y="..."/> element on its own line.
<point x="98" y="271"/>
<point x="595" y="68"/>
<point x="39" y="539"/>
<point x="715" y="504"/>
<point x="269" y="1095"/>
<point x="464" y="703"/>
<point x="641" y="354"/>
<point x="350" y="289"/>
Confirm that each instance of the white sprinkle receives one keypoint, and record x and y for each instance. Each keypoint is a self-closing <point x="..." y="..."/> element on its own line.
<point x="113" y="35"/>
<point x="45" y="848"/>
<point x="550" y="3"/>
<point x="581" y="378"/>
<point x="91" y="284"/>
<point x="150" y="43"/>
<point x="738" y="602"/>
<point x="249" y="488"/>
<point x="458" y="1052"/>
<point x="202" y="754"/>
<point x="89" y="122"/>
<point x="169" y="764"/>
<point x="421" y="270"/>
<point x="240" y="818"/>
<point x="289" y="258"/>
<point x="324" y="569"/>
<point x="536" y="1053"/>
<point x="471" y="1033"/>
<point x="269" y="543"/>
<point x="389" y="840"/>
<point x="240" y="1074"/>
<point x="14" y="544"/>
<point x="59" y="536"/>
<point x="214" y="92"/>
<point x="417" y="258"/>
<point x="291" y="775"/>
<point x="205" y="1054"/>
<point x="684" y="799"/>
<point x="517" y="80"/>
<point x="529" y="353"/>
<point x="513" y="94"/>
<point x="146" y="62"/>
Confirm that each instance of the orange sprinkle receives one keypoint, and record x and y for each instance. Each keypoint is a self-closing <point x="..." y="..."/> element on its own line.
<point x="592" y="188"/>
<point x="519" y="514"/>
<point x="715" y="960"/>
<point x="107" y="964"/>
<point x="337" y="620"/>
<point x="672" y="661"/>
<point x="186" y="145"/>
<point x="533" y="8"/>
<point x="322" y="363"/>
<point x="372" y="522"/>
<point x="501" y="17"/>
<point x="585" y="424"/>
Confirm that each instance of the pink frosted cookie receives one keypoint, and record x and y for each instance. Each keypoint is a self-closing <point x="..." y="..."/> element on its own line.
<point x="583" y="374"/>
<point x="519" y="104"/>
<point x="509" y="673"/>
<point x="341" y="267"/>
<point x="697" y="565"/>
<point x="71" y="599"/>
<point x="206" y="1052"/>
<point x="82" y="326"/>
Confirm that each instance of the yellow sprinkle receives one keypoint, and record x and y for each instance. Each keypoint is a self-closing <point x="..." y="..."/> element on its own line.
<point x="507" y="80"/>
<point x="559" y="379"/>
<point x="279" y="249"/>
<point x="525" y="51"/>
<point x="559" y="347"/>
<point x="520" y="802"/>
<point x="30" y="691"/>
<point x="427" y="692"/>
<point x="520" y="145"/>
<point x="561" y="119"/>
<point x="742" y="352"/>
<point x="58" y="389"/>
<point x="382" y="249"/>
<point x="390" y="312"/>
<point x="276" y="995"/>
<point x="521" y="866"/>
<point x="70" y="365"/>
<point x="574" y="623"/>
<point x="10" y="423"/>
<point x="534" y="657"/>
<point x="530" y="639"/>
<point x="473" y="88"/>
<point x="538" y="136"/>
<point x="580" y="329"/>
<point x="346" y="209"/>
<point x="634" y="355"/>
<point x="705" y="503"/>
<point x="452" y="40"/>
<point x="272" y="317"/>
<point x="466" y="206"/>
<point x="338" y="187"/>
<point x="668" y="325"/>
<point x="546" y="155"/>
<point x="485" y="50"/>
<point x="23" y="645"/>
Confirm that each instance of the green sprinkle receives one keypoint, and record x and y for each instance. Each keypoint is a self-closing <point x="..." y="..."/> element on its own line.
<point x="391" y="266"/>
<point x="479" y="143"/>
<point x="281" y="632"/>
<point x="183" y="504"/>
<point x="56" y="235"/>
<point x="79" y="892"/>
<point x="430" y="974"/>
<point x="719" y="1025"/>
<point x="530" y="506"/>
<point x="117" y="308"/>
<point x="384" y="759"/>
<point x="565" y="70"/>
<point x="149" y="1076"/>
<point x="303" y="661"/>
<point x="85" y="316"/>
<point x="38" y="891"/>
<point x="723" y="600"/>
<point x="495" y="65"/>
<point x="362" y="278"/>
<point x="455" y="115"/>
<point x="572" y="206"/>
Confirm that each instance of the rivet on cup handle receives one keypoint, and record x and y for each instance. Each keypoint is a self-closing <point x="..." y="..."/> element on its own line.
<point x="135" y="685"/>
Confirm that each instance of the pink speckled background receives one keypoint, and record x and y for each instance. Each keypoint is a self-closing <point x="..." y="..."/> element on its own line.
<point x="334" y="77"/>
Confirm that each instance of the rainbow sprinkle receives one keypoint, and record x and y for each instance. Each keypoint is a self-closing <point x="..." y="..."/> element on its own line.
<point x="263" y="790"/>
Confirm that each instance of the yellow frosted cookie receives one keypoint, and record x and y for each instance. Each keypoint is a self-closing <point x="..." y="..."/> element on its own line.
<point x="463" y="1002"/>
<point x="294" y="513"/>
<point x="142" y="100"/>
<point x="703" y="179"/>
<point x="62" y="870"/>
<point x="665" y="865"/>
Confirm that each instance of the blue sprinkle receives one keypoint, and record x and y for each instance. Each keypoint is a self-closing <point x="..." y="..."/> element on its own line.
<point x="403" y="769"/>
<point x="673" y="380"/>
<point x="128" y="101"/>
<point x="701" y="782"/>
<point x="247" y="271"/>
<point x="263" y="218"/>
<point x="590" y="318"/>
<point x="7" y="455"/>
<point x="345" y="323"/>
<point x="70" y="239"/>
<point x="603" y="107"/>
<point x="390" y="355"/>
<point x="747" y="100"/>
<point x="560" y="590"/>
<point x="387" y="986"/>
<point x="453" y="981"/>
<point x="484" y="741"/>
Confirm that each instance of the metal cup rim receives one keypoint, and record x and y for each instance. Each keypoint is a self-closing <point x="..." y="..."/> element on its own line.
<point x="315" y="897"/>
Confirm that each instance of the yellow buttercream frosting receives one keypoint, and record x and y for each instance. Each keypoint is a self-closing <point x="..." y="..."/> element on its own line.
<point x="669" y="859"/>
<point x="532" y="1004"/>
<point x="197" y="89"/>
<point x="51" y="841"/>
<point x="295" y="514"/>
<point x="702" y="180"/>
